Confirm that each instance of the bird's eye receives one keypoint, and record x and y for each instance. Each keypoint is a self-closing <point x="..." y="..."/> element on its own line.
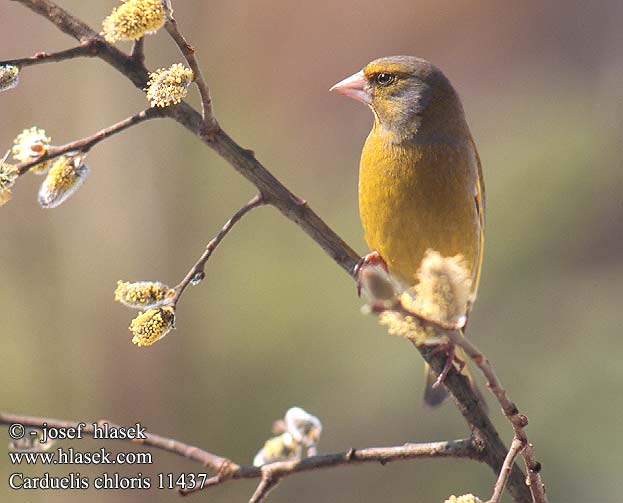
<point x="384" y="79"/>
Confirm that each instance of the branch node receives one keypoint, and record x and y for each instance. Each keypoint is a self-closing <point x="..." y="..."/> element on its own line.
<point x="209" y="132"/>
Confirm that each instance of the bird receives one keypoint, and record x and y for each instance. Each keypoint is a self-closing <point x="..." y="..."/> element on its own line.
<point x="420" y="177"/>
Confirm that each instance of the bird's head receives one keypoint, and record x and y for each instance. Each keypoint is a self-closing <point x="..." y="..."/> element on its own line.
<point x="409" y="96"/>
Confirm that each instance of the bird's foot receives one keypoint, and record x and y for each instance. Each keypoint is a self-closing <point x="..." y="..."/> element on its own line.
<point x="371" y="259"/>
<point x="451" y="359"/>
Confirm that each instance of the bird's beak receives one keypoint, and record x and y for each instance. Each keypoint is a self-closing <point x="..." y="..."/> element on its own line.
<point x="354" y="87"/>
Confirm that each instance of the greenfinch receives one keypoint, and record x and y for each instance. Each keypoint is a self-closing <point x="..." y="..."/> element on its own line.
<point x="420" y="178"/>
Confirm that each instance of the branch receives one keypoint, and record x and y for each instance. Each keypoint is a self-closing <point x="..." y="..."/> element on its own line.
<point x="87" y="143"/>
<point x="87" y="49"/>
<point x="273" y="191"/>
<point x="228" y="470"/>
<point x="138" y="51"/>
<point x="197" y="271"/>
<point x="517" y="420"/>
<point x="514" y="450"/>
<point x="74" y="27"/>
<point x="272" y="473"/>
<point x="189" y="53"/>
<point x="471" y="407"/>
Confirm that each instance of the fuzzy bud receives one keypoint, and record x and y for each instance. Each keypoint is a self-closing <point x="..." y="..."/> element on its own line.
<point x="8" y="176"/>
<point x="441" y="296"/>
<point x="303" y="427"/>
<point x="31" y="144"/>
<point x="9" y="77"/>
<point x="443" y="289"/>
<point x="64" y="178"/>
<point x="299" y="440"/>
<point x="466" y="498"/>
<point x="134" y="19"/>
<point x="168" y="86"/>
<point x="142" y="294"/>
<point x="280" y="448"/>
<point x="377" y="284"/>
<point x="152" y="325"/>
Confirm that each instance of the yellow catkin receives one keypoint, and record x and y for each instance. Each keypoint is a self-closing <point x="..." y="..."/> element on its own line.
<point x="168" y="86"/>
<point x="31" y="144"/>
<point x="8" y="176"/>
<point x="9" y="77"/>
<point x="280" y="448"/>
<point x="441" y="296"/>
<point x="443" y="288"/>
<point x="466" y="498"/>
<point x="133" y="19"/>
<point x="65" y="177"/>
<point x="142" y="294"/>
<point x="152" y="325"/>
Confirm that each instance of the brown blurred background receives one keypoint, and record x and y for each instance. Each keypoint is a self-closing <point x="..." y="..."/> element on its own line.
<point x="276" y="323"/>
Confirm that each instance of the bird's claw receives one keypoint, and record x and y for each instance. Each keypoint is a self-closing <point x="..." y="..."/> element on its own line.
<point x="451" y="359"/>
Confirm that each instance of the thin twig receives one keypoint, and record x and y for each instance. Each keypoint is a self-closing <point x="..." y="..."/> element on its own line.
<point x="189" y="53"/>
<point x="87" y="143"/>
<point x="197" y="271"/>
<point x="138" y="50"/>
<point x="457" y="449"/>
<point x="228" y="470"/>
<point x="500" y="484"/>
<point x="517" y="420"/>
<point x="87" y="49"/>
<point x="266" y="485"/>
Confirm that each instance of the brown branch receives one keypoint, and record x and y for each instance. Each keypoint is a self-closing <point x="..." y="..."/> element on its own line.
<point x="189" y="53"/>
<point x="274" y="192"/>
<point x="87" y="143"/>
<point x="509" y="461"/>
<point x="458" y="449"/>
<point x="485" y="434"/>
<point x="228" y="470"/>
<point x="517" y="420"/>
<point x="266" y="485"/>
<point x="197" y="271"/>
<point x="138" y="51"/>
<point x="472" y="410"/>
<point x="87" y="49"/>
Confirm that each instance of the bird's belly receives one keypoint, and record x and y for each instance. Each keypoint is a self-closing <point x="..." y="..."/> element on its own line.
<point x="408" y="206"/>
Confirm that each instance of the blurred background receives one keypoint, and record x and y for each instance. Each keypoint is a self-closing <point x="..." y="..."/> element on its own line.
<point x="277" y="323"/>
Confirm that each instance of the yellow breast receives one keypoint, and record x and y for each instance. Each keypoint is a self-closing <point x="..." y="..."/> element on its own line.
<point x="414" y="196"/>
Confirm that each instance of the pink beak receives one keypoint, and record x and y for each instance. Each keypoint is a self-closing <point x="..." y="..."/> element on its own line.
<point x="354" y="87"/>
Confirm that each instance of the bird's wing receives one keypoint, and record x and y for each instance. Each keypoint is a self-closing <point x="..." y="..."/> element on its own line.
<point x="480" y="201"/>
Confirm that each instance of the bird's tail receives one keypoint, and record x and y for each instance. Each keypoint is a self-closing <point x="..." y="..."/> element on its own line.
<point x="435" y="396"/>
